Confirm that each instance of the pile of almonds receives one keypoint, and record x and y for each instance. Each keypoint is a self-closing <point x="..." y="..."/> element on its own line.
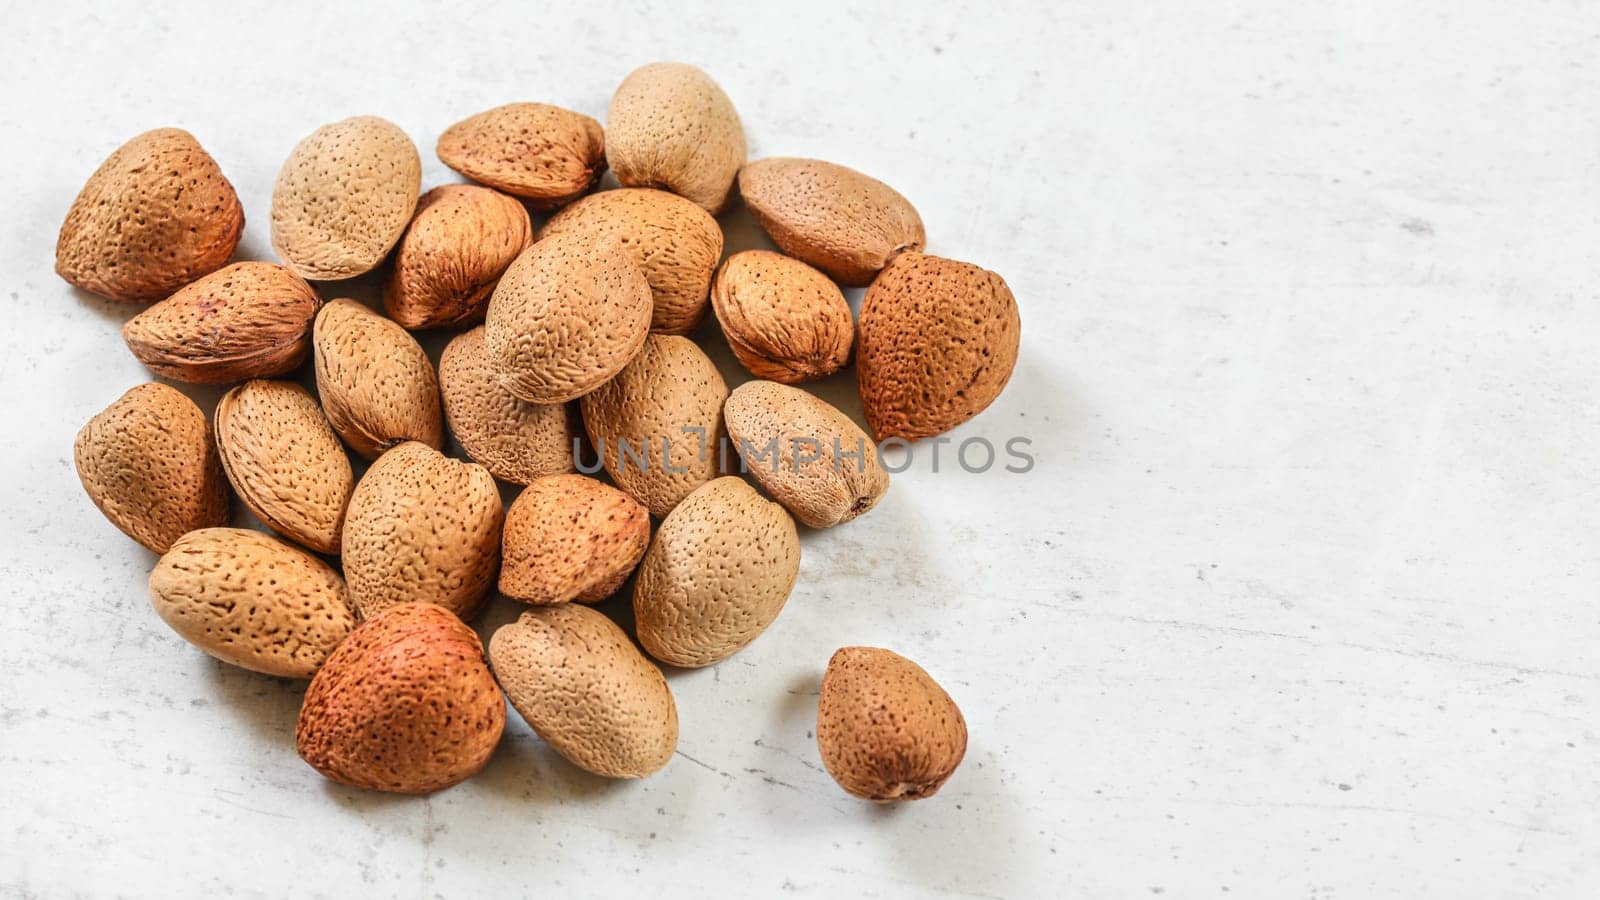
<point x="569" y="330"/>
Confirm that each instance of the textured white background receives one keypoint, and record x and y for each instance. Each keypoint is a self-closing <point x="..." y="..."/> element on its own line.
<point x="1300" y="600"/>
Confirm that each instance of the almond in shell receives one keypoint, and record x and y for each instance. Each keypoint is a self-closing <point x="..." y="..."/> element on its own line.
<point x="784" y="320"/>
<point x="671" y="127"/>
<point x="571" y="538"/>
<point x="886" y="730"/>
<point x="452" y="256"/>
<point x="545" y="154"/>
<point x="515" y="440"/>
<point x="376" y="382"/>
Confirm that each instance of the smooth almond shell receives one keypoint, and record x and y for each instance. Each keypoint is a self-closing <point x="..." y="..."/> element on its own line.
<point x="784" y="320"/>
<point x="376" y="382"/>
<point x="845" y="223"/>
<point x="285" y="462"/>
<point x="887" y="730"/>
<point x="156" y="215"/>
<point x="249" y="320"/>
<point x="422" y="527"/>
<point x="819" y="464"/>
<point x="149" y="463"/>
<point x="343" y="198"/>
<point x="565" y="318"/>
<point x="545" y="154"/>
<point x="676" y="244"/>
<point x="406" y="704"/>
<point x="252" y="601"/>
<point x="587" y="690"/>
<point x="936" y="343"/>
<point x="571" y="538"/>
<point x="718" y="573"/>
<point x="515" y="440"/>
<point x="671" y="127"/>
<point x="668" y="401"/>
<point x="452" y="256"/>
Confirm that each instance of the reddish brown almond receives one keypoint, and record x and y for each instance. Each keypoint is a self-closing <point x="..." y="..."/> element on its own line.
<point x="544" y="154"/>
<point x="783" y="319"/>
<point x="566" y="317"/>
<point x="935" y="345"/>
<point x="249" y="320"/>
<point x="676" y="244"/>
<point x="285" y="462"/>
<point x="148" y="462"/>
<point x="156" y="215"/>
<point x="845" y="223"/>
<point x="377" y="385"/>
<point x="422" y="527"/>
<point x="569" y="537"/>
<point x="452" y="256"/>
<point x="344" y="197"/>
<point x="886" y="729"/>
<point x="658" y="424"/>
<point x="405" y="704"/>
<point x="251" y="601"/>
<point x="671" y="127"/>
<point x="515" y="440"/>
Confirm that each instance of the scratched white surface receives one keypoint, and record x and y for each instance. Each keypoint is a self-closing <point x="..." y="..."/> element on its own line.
<point x="1300" y="599"/>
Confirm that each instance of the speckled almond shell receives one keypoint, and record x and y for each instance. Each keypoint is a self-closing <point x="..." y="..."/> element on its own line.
<point x="671" y="127"/>
<point x="422" y="527"/>
<point x="285" y="462"/>
<point x="565" y="318"/>
<point x="784" y="320"/>
<point x="935" y="344"/>
<point x="845" y="223"/>
<point x="406" y="704"/>
<point x="570" y="537"/>
<point x="252" y="601"/>
<point x="718" y="573"/>
<point x="149" y="463"/>
<point x="343" y="198"/>
<point x="668" y="401"/>
<point x="452" y="256"/>
<point x="676" y="244"/>
<point x="249" y="320"/>
<point x="544" y="154"/>
<point x="515" y="440"/>
<point x="824" y="470"/>
<point x="887" y="730"/>
<point x="376" y="382"/>
<point x="156" y="215"/>
<point x="587" y="690"/>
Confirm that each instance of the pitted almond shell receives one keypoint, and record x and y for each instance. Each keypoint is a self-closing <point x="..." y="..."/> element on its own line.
<point x="886" y="730"/>
<point x="515" y="440"/>
<point x="452" y="255"/>
<point x="671" y="127"/>
<point x="377" y="384"/>
<point x="784" y="320"/>
<point x="544" y="154"/>
<point x="571" y="538"/>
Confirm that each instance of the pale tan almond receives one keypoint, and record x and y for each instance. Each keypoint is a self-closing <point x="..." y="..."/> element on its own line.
<point x="376" y="382"/>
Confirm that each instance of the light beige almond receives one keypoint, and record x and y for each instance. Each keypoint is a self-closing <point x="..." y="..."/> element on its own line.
<point x="671" y="127"/>
<point x="783" y="319"/>
<point x="544" y="154"/>
<point x="343" y="198"/>
<point x="285" y="462"/>
<point x="252" y="601"/>
<point x="886" y="730"/>
<point x="571" y="538"/>
<point x="452" y="256"/>
<point x="376" y="382"/>
<point x="515" y="440"/>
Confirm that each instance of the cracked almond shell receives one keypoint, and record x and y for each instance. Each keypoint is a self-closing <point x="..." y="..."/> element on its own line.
<point x="571" y="538"/>
<point x="422" y="527"/>
<point x="376" y="382"/>
<point x="285" y="462"/>
<point x="784" y="320"/>
<point x="149" y="463"/>
<point x="658" y="424"/>
<point x="343" y="197"/>
<point x="822" y="467"/>
<point x="717" y="574"/>
<point x="676" y="244"/>
<point x="547" y="155"/>
<point x="587" y="690"/>
<point x="452" y="255"/>
<point x="515" y="440"/>
<point x="406" y="704"/>
<point x="845" y="223"/>
<point x="156" y="215"/>
<point x="249" y="320"/>
<point x="671" y="127"/>
<point x="887" y="730"/>
<point x="935" y="345"/>
<point x="252" y="601"/>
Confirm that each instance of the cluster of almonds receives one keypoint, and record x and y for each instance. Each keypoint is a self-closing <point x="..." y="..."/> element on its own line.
<point x="590" y="308"/>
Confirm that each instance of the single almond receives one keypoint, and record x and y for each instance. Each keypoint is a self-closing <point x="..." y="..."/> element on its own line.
<point x="886" y="730"/>
<point x="377" y="385"/>
<point x="571" y="538"/>
<point x="515" y="440"/>
<point x="452" y="256"/>
<point x="544" y="154"/>
<point x="783" y="319"/>
<point x="671" y="127"/>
